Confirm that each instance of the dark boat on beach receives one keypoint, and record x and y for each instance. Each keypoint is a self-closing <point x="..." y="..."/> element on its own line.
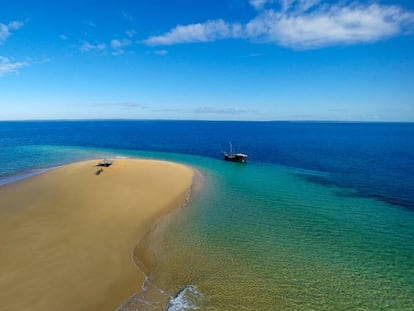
<point x="235" y="157"/>
<point x="104" y="163"/>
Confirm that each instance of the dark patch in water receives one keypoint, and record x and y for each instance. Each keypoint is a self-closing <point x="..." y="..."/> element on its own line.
<point x="350" y="192"/>
<point x="320" y="180"/>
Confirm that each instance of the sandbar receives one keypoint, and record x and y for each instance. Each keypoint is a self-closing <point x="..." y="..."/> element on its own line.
<point x="67" y="236"/>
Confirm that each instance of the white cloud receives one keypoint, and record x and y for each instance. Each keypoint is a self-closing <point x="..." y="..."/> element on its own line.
<point x="301" y="24"/>
<point x="8" y="66"/>
<point x="259" y="4"/>
<point x="285" y="5"/>
<point x="130" y="33"/>
<point x="229" y="110"/>
<point x="305" y="5"/>
<point x="124" y="105"/>
<point x="118" y="46"/>
<point x="63" y="37"/>
<point x="5" y="29"/>
<point x="202" y="32"/>
<point x="14" y="25"/>
<point x="329" y="26"/>
<point x="88" y="47"/>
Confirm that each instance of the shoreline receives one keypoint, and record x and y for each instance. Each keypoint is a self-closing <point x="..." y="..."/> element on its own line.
<point x="196" y="182"/>
<point x="161" y="174"/>
<point x="22" y="175"/>
<point x="145" y="248"/>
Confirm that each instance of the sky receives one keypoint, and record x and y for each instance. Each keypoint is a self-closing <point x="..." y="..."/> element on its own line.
<point x="207" y="60"/>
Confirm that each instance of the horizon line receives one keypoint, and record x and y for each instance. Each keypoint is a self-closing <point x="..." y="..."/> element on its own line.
<point x="198" y="120"/>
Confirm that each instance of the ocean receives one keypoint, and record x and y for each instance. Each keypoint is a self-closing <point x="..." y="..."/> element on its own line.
<point x="321" y="217"/>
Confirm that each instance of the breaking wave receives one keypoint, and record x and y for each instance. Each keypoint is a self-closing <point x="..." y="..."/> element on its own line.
<point x="186" y="299"/>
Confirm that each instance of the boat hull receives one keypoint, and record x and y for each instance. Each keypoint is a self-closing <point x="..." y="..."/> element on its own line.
<point x="239" y="158"/>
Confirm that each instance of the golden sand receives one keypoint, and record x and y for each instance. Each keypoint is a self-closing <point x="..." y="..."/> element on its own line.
<point x="67" y="236"/>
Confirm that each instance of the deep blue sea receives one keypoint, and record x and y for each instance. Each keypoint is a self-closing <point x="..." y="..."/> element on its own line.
<point x="374" y="159"/>
<point x="321" y="217"/>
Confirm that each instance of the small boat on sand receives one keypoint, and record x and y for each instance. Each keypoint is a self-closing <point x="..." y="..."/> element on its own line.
<point x="235" y="157"/>
<point x="104" y="163"/>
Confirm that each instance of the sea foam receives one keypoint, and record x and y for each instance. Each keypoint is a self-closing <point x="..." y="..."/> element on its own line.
<point x="186" y="299"/>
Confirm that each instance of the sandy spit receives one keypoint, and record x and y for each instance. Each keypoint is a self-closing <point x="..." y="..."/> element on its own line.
<point x="67" y="236"/>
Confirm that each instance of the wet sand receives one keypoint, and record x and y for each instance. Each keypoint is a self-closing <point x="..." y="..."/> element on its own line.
<point x="67" y="236"/>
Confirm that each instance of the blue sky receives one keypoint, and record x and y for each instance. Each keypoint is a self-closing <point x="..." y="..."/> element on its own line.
<point x="207" y="60"/>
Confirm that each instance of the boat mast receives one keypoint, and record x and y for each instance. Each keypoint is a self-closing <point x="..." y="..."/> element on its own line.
<point x="231" y="148"/>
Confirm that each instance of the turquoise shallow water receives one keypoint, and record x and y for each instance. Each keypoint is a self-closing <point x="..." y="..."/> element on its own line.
<point x="261" y="237"/>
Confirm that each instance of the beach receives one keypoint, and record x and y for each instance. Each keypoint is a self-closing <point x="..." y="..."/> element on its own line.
<point x="68" y="235"/>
